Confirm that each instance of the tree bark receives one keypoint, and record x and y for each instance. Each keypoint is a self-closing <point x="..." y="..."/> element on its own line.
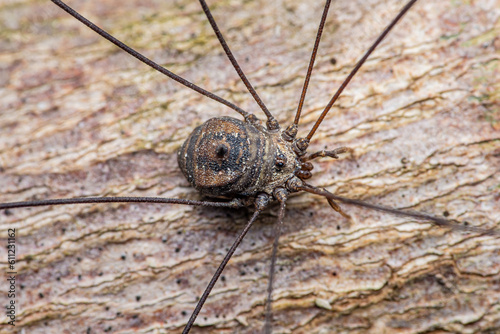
<point x="81" y="118"/>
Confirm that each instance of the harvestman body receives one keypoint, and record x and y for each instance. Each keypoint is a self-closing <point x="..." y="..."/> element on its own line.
<point x="252" y="165"/>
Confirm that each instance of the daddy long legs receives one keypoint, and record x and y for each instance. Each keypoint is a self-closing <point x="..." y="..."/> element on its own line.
<point x="91" y="251"/>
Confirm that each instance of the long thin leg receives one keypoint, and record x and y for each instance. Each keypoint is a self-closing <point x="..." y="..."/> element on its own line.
<point x="311" y="64"/>
<point x="404" y="213"/>
<point x="358" y="66"/>
<point x="260" y="203"/>
<point x="282" y="197"/>
<point x="86" y="200"/>
<point x="332" y="154"/>
<point x="337" y="208"/>
<point x="272" y="123"/>
<point x="148" y="61"/>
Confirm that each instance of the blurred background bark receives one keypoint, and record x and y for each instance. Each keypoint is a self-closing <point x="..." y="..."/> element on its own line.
<point x="81" y="118"/>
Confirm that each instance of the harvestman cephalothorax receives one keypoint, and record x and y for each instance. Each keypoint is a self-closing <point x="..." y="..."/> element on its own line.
<point x="41" y="258"/>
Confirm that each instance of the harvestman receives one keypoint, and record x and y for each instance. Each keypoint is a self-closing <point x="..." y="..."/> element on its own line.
<point x="287" y="162"/>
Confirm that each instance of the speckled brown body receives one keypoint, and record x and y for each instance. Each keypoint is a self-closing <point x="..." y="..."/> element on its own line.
<point x="226" y="157"/>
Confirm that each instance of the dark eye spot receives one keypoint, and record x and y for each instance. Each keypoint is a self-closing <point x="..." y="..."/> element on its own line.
<point x="280" y="161"/>
<point x="221" y="151"/>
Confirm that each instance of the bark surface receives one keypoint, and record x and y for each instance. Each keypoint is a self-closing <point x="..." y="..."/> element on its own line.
<point x="78" y="117"/>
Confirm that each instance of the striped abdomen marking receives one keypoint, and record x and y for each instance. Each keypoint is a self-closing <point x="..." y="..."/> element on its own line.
<point x="223" y="157"/>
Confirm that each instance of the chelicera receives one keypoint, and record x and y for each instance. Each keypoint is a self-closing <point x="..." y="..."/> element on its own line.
<point x="251" y="164"/>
